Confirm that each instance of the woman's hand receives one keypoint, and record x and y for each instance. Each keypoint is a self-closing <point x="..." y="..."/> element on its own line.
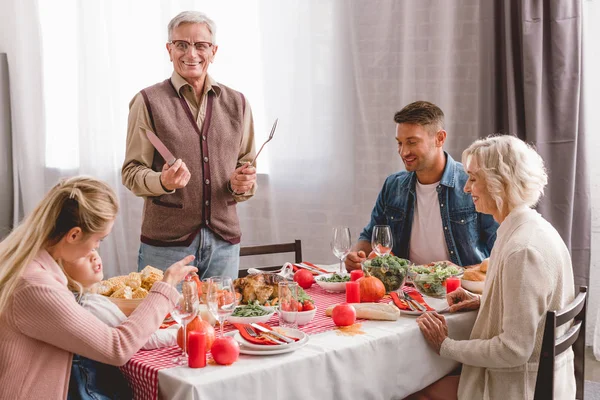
<point x="461" y="300"/>
<point x="176" y="272"/>
<point x="434" y="328"/>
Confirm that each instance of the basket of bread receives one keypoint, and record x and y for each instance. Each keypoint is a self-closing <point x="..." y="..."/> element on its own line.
<point x="473" y="279"/>
<point x="128" y="291"/>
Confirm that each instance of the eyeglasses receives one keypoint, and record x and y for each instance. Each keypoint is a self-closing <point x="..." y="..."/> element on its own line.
<point x="183" y="45"/>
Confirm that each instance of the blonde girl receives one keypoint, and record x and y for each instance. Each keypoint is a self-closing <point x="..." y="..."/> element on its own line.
<point x="41" y="323"/>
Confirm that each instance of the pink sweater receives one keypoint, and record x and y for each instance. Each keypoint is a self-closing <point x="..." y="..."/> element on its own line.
<point x="43" y="326"/>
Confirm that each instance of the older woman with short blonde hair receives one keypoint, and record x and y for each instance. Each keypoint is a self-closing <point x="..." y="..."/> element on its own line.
<point x="529" y="274"/>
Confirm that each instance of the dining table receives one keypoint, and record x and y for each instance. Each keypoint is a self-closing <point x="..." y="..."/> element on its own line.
<point x="373" y="360"/>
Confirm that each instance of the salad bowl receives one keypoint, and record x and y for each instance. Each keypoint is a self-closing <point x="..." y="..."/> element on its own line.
<point x="430" y="279"/>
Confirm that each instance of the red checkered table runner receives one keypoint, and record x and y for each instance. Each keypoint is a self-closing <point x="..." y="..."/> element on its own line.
<point x="142" y="369"/>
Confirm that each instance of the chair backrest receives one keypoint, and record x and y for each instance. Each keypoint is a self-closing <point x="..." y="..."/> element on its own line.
<point x="293" y="247"/>
<point x="553" y="346"/>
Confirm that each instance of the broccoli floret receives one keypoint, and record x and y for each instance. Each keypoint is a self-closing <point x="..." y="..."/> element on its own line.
<point x="390" y="270"/>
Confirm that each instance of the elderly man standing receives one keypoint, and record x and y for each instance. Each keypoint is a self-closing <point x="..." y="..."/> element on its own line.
<point x="430" y="216"/>
<point x="190" y="206"/>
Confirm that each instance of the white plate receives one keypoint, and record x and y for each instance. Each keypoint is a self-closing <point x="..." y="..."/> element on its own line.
<point x="294" y="333"/>
<point x="332" y="287"/>
<point x="439" y="305"/>
<point x="248" y="320"/>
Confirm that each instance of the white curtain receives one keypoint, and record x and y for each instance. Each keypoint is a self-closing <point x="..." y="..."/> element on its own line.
<point x="333" y="71"/>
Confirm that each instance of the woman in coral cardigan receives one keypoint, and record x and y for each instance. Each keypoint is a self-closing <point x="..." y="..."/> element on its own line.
<point x="529" y="273"/>
<point x="41" y="324"/>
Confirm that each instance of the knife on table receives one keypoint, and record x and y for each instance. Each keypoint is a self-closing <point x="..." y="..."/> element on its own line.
<point x="277" y="335"/>
<point x="161" y="148"/>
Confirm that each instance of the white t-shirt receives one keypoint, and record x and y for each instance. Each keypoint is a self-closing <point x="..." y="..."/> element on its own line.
<point x="427" y="243"/>
<point x="108" y="312"/>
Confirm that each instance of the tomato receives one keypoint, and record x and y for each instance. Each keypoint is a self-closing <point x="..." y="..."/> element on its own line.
<point x="343" y="315"/>
<point x="225" y="350"/>
<point x="300" y="307"/>
<point x="307" y="306"/>
<point x="304" y="278"/>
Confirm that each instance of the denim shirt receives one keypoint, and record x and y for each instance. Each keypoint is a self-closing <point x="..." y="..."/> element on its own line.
<point x="469" y="235"/>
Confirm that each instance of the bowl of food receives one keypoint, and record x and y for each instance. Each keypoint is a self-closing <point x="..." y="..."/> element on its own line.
<point x="430" y="279"/>
<point x="250" y="313"/>
<point x="390" y="270"/>
<point x="333" y="283"/>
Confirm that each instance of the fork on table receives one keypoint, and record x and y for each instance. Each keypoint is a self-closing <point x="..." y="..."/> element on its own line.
<point x="253" y="333"/>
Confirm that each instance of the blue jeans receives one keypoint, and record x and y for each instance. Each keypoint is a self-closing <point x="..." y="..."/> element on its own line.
<point x="94" y="380"/>
<point x="214" y="256"/>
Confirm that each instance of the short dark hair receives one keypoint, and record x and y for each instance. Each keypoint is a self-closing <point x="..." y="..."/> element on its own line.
<point x="421" y="113"/>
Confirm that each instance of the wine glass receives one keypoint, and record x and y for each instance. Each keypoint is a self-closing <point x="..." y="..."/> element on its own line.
<point x="184" y="312"/>
<point x="381" y="240"/>
<point x="221" y="299"/>
<point x="341" y="244"/>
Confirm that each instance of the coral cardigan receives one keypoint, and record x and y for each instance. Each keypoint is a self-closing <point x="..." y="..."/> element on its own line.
<point x="529" y="274"/>
<point x="43" y="326"/>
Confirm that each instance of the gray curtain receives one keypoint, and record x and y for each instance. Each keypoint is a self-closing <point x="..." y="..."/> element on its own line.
<point x="538" y="69"/>
<point x="6" y="168"/>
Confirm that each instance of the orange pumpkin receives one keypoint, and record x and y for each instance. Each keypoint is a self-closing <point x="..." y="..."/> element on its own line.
<point x="371" y="289"/>
<point x="199" y="325"/>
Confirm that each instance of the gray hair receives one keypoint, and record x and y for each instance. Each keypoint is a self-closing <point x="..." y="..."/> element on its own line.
<point x="192" y="17"/>
<point x="514" y="172"/>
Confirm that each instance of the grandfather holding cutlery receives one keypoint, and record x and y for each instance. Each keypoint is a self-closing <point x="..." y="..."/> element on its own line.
<point x="161" y="148"/>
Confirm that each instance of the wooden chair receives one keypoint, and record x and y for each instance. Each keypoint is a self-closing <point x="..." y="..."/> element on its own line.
<point x="553" y="346"/>
<point x="293" y="247"/>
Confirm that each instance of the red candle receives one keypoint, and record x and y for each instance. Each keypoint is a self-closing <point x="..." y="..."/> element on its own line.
<point x="196" y="349"/>
<point x="352" y="292"/>
<point x="356" y="274"/>
<point x="452" y="284"/>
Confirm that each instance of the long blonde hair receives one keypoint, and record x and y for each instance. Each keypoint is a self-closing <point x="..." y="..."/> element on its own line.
<point x="80" y="201"/>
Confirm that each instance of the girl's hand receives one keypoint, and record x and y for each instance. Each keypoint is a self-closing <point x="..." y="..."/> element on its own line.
<point x="176" y="272"/>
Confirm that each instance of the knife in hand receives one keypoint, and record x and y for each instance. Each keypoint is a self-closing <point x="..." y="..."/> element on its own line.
<point x="161" y="148"/>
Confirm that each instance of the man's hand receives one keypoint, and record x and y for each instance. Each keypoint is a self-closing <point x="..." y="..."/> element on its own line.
<point x="461" y="300"/>
<point x="434" y="328"/>
<point x="353" y="260"/>
<point x="243" y="179"/>
<point x="176" y="176"/>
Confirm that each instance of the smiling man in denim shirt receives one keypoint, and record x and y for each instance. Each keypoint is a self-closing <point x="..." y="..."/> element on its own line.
<point x="431" y="217"/>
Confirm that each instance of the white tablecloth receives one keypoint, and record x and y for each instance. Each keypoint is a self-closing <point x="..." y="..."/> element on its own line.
<point x="390" y="361"/>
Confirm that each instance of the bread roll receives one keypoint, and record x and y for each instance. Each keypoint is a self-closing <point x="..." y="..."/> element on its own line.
<point x="377" y="311"/>
<point x="484" y="265"/>
<point x="473" y="274"/>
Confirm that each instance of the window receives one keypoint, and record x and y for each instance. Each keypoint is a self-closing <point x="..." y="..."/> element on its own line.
<point x="98" y="55"/>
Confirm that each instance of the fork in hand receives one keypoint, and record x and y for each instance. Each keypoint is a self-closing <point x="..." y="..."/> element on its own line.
<point x="267" y="141"/>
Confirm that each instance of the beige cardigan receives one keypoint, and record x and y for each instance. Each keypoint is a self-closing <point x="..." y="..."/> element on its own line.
<point x="529" y="274"/>
<point x="43" y="326"/>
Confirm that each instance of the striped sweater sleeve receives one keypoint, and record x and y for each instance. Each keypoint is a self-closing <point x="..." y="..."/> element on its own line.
<point x="49" y="313"/>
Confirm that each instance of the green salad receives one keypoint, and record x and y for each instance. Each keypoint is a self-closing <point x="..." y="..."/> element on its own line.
<point x="250" y="310"/>
<point x="336" y="278"/>
<point x="390" y="270"/>
<point x="430" y="279"/>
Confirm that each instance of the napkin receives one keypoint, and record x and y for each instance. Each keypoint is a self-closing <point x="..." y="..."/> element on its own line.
<point x="168" y="321"/>
<point x="256" y="340"/>
<point x="414" y="294"/>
